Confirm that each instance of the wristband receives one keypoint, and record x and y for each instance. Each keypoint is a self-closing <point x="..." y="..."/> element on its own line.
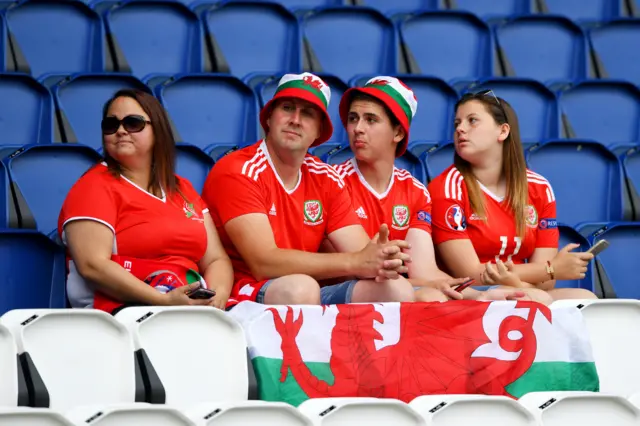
<point x="550" y="271"/>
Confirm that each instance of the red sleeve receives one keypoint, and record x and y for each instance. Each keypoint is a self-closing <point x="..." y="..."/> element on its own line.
<point x="449" y="218"/>
<point x="231" y="194"/>
<point x="421" y="213"/>
<point x="548" y="235"/>
<point x="341" y="212"/>
<point x="91" y="197"/>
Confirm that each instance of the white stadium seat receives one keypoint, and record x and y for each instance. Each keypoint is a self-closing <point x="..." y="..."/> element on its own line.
<point x="360" y="411"/>
<point x="615" y="339"/>
<point x="198" y="352"/>
<point x="23" y="416"/>
<point x="8" y="369"/>
<point x="581" y="408"/>
<point x="83" y="356"/>
<point x="455" y="410"/>
<point x="135" y="414"/>
<point x="243" y="413"/>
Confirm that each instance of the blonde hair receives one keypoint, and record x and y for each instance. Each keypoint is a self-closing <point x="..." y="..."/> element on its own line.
<point x="514" y="167"/>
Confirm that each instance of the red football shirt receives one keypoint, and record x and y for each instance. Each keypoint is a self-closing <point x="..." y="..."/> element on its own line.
<point x="246" y="182"/>
<point x="167" y="230"/>
<point x="405" y="204"/>
<point x="496" y="237"/>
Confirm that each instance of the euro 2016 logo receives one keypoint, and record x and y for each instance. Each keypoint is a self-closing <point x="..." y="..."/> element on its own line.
<point x="455" y="218"/>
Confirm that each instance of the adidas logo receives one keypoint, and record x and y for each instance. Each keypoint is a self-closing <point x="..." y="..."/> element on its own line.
<point x="361" y="213"/>
<point x="272" y="212"/>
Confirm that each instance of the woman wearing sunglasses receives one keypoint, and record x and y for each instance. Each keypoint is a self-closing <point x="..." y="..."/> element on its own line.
<point x="135" y="233"/>
<point x="494" y="220"/>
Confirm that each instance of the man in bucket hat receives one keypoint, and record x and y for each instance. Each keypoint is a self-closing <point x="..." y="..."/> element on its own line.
<point x="274" y="204"/>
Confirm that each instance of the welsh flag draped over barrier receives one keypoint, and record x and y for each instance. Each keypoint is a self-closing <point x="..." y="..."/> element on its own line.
<point x="403" y="350"/>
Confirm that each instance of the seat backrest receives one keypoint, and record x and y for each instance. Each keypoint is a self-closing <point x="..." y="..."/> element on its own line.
<point x="57" y="36"/>
<point x="193" y="164"/>
<point x="275" y="48"/>
<point x="437" y="158"/>
<point x="211" y="109"/>
<point x="27" y="416"/>
<point x="349" y="41"/>
<point x="620" y="260"/>
<point x="608" y="42"/>
<point x="26" y="111"/>
<point x="8" y="369"/>
<point x="267" y="89"/>
<point x="44" y="174"/>
<point x="75" y="349"/>
<point x="490" y="8"/>
<point x="81" y="99"/>
<point x="369" y="411"/>
<point x="169" y="334"/>
<point x="460" y="44"/>
<point x="264" y="413"/>
<point x="156" y="37"/>
<point x="631" y="164"/>
<point x="535" y="105"/>
<point x="388" y="7"/>
<point x="569" y="235"/>
<point x="585" y="10"/>
<point x="608" y="112"/>
<point x="544" y="48"/>
<point x="130" y="414"/>
<point x="3" y="43"/>
<point x="32" y="268"/>
<point x="5" y="193"/>
<point x="599" y="176"/>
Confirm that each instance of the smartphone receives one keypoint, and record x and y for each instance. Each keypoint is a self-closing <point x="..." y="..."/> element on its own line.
<point x="202" y="293"/>
<point x="598" y="247"/>
<point x="465" y="285"/>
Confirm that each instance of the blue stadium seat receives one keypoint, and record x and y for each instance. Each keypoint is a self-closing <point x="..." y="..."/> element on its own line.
<point x="193" y="164"/>
<point x="494" y="8"/>
<point x="620" y="261"/>
<point x="631" y="163"/>
<point x="535" y="105"/>
<point x="436" y="101"/>
<point x="588" y="191"/>
<point x="80" y="99"/>
<point x="437" y="158"/>
<point x="544" y="48"/>
<point x="267" y="89"/>
<point x="275" y="48"/>
<point x="208" y="109"/>
<point x="26" y="111"/>
<point x="459" y="45"/>
<point x="56" y="37"/>
<point x="349" y="41"/>
<point x="3" y="44"/>
<point x="32" y="268"/>
<point x="569" y="235"/>
<point x="610" y="43"/>
<point x="407" y="162"/>
<point x="389" y="7"/>
<point x="5" y="193"/>
<point x="607" y="111"/>
<point x="584" y="10"/>
<point x="155" y="37"/>
<point x="302" y="4"/>
<point x="42" y="175"/>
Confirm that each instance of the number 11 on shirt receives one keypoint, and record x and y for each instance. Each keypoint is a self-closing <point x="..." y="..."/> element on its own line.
<point x="505" y="240"/>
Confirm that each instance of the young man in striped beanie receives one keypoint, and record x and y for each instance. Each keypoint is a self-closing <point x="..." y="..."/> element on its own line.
<point x="273" y="205"/>
<point x="377" y="118"/>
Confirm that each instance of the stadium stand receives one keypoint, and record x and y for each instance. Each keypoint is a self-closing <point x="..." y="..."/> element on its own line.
<point x="570" y="69"/>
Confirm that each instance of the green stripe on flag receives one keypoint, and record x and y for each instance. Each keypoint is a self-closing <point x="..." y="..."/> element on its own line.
<point x="300" y="84"/>
<point x="386" y="88"/>
<point x="556" y="376"/>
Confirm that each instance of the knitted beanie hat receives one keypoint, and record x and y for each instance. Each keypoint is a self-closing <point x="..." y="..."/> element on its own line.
<point x="393" y="93"/>
<point x="304" y="86"/>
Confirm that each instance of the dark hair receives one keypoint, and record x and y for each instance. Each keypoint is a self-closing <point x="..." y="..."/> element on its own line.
<point x="514" y="166"/>
<point x="364" y="97"/>
<point x="164" y="152"/>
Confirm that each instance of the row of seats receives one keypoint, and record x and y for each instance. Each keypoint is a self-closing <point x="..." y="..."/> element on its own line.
<point x="53" y="358"/>
<point x="586" y="11"/>
<point x="534" y="409"/>
<point x="147" y="38"/>
<point x="208" y="109"/>
<point x="32" y="265"/>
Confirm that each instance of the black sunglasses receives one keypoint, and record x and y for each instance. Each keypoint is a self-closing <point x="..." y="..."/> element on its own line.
<point x="131" y="123"/>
